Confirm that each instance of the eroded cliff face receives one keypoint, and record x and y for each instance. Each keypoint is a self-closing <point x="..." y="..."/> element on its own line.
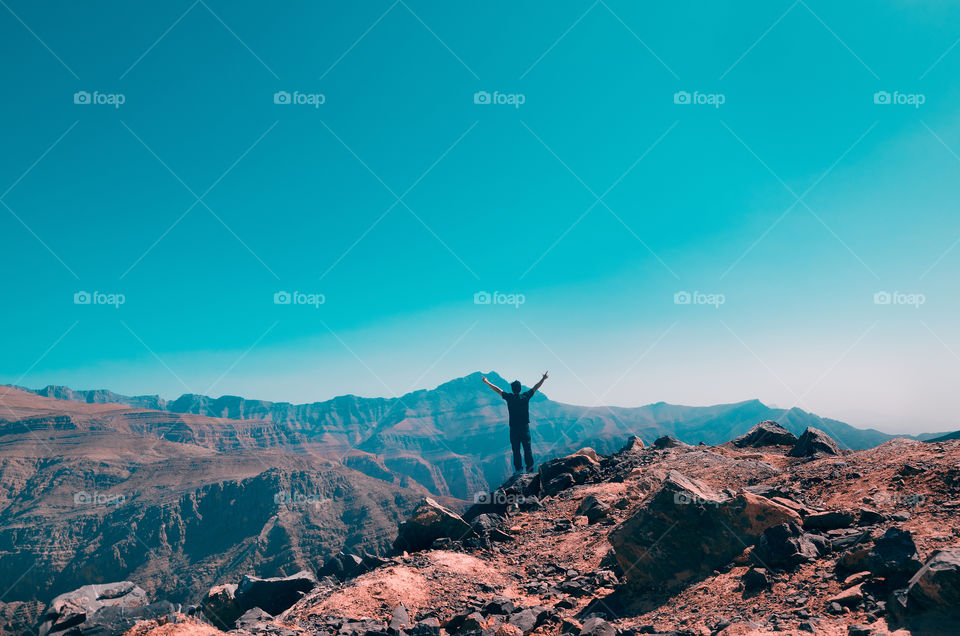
<point x="93" y="493"/>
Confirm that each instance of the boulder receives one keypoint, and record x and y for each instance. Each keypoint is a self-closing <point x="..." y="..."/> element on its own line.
<point x="755" y="579"/>
<point x="634" y="444"/>
<point x="686" y="530"/>
<point x="219" y="605"/>
<point x="936" y="586"/>
<point x="593" y="509"/>
<point x="830" y="520"/>
<point x="79" y="607"/>
<point x="343" y="566"/>
<point x="786" y="546"/>
<point x="767" y="433"/>
<point x="666" y="441"/>
<point x="894" y="556"/>
<point x="578" y="466"/>
<point x="813" y="443"/>
<point x="428" y="522"/>
<point x="596" y="626"/>
<point x="273" y="595"/>
<point x="560" y="482"/>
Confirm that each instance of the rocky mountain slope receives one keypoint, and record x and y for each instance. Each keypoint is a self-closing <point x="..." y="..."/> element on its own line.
<point x="93" y="493"/>
<point x="741" y="538"/>
<point x="441" y="438"/>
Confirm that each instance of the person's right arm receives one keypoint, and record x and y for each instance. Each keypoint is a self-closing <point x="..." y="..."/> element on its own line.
<point x="492" y="386"/>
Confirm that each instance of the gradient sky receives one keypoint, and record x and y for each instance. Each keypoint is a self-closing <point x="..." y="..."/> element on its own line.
<point x="399" y="198"/>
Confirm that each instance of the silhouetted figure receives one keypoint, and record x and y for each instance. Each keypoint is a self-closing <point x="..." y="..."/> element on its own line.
<point x="518" y="404"/>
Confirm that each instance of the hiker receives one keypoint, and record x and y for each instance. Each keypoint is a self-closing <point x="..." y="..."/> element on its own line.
<point x="518" y="404"/>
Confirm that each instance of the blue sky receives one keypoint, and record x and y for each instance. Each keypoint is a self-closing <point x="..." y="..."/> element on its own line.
<point x="595" y="201"/>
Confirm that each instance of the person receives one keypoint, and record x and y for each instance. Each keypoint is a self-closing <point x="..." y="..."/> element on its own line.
<point x="518" y="406"/>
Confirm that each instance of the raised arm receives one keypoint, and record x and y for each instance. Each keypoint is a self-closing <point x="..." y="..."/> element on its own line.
<point x="539" y="384"/>
<point x="492" y="386"/>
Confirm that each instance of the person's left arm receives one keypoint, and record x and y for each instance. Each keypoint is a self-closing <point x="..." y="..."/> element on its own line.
<point x="539" y="384"/>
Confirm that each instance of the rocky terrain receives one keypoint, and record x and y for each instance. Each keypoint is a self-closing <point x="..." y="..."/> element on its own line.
<point x="768" y="533"/>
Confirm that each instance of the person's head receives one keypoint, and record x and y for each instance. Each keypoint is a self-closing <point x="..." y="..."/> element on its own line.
<point x="515" y="385"/>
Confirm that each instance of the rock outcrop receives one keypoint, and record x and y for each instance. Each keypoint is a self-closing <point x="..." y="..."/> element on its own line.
<point x="431" y="521"/>
<point x="89" y="605"/>
<point x="687" y="529"/>
<point x="814" y="443"/>
<point x="766" y="433"/>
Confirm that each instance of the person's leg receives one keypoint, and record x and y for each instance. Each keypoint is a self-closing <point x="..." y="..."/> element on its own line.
<point x="515" y="442"/>
<point x="528" y="454"/>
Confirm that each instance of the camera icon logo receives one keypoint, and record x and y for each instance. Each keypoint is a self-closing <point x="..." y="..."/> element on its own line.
<point x="881" y="97"/>
<point x="681" y="97"/>
<point x="681" y="298"/>
<point x="82" y="298"/>
<point x="682" y="498"/>
<point x="481" y="97"/>
<point x="281" y="97"/>
<point x="281" y="298"/>
<point x="882" y="298"/>
<point x="81" y="97"/>
<point x="482" y="298"/>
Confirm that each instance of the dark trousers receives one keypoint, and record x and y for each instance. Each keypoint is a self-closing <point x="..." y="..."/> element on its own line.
<point x="521" y="437"/>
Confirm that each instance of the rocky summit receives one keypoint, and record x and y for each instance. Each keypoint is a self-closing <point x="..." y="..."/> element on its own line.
<point x="672" y="539"/>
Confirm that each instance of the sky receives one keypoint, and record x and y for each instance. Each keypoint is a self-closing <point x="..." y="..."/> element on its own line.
<point x="690" y="202"/>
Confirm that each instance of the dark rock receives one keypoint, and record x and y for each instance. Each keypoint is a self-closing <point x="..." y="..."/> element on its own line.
<point x="694" y="530"/>
<point x="499" y="605"/>
<point x="428" y="522"/>
<point x="787" y="546"/>
<point x="665" y="441"/>
<point x="342" y="566"/>
<point x="524" y="620"/>
<point x="558" y="483"/>
<point x="869" y="517"/>
<point x="859" y="630"/>
<point x="755" y="579"/>
<point x="910" y="469"/>
<point x="597" y="627"/>
<point x="593" y="509"/>
<point x="219" y="605"/>
<point x="814" y="442"/>
<point x="829" y="520"/>
<point x="253" y="620"/>
<point x="579" y="466"/>
<point x="571" y="625"/>
<point x="935" y="587"/>
<point x="767" y="433"/>
<point x="634" y="445"/>
<point x="894" y="556"/>
<point x="73" y="609"/>
<point x="400" y="619"/>
<point x="273" y="595"/>
<point x="426" y="627"/>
